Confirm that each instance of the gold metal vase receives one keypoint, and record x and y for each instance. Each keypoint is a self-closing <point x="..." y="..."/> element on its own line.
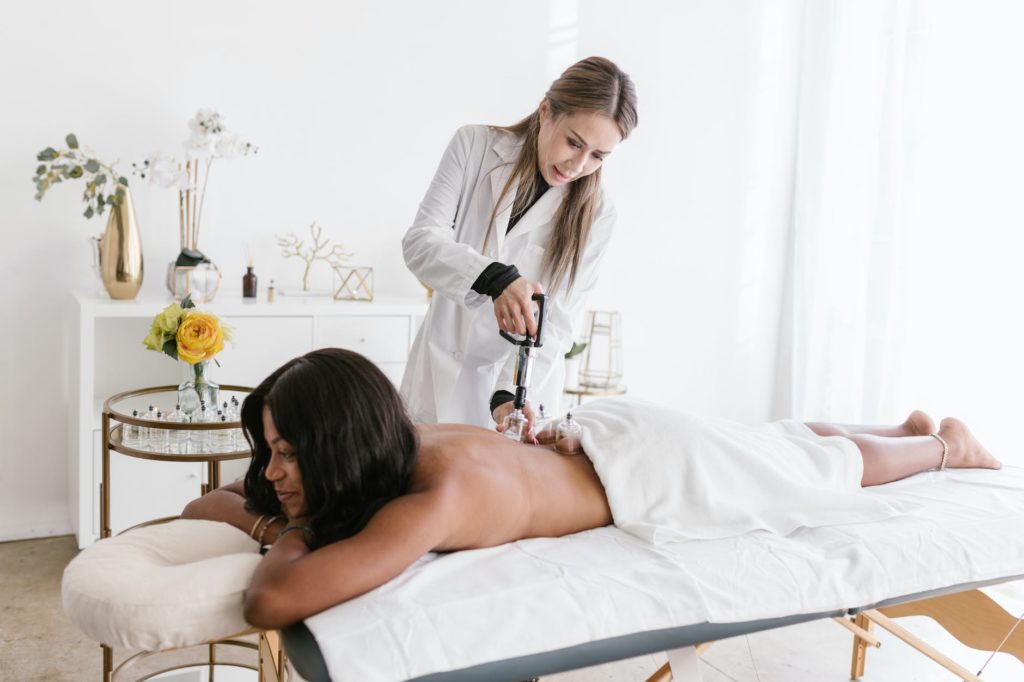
<point x="121" y="251"/>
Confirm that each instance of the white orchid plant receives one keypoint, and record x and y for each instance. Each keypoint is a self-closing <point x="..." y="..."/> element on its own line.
<point x="209" y="139"/>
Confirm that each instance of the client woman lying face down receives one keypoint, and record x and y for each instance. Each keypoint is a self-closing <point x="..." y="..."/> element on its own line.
<point x="362" y="493"/>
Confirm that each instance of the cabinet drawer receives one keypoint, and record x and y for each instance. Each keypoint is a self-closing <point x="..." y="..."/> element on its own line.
<point x="381" y="339"/>
<point x="261" y="345"/>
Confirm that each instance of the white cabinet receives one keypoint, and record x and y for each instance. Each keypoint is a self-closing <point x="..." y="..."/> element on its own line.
<point x="109" y="358"/>
<point x="261" y="345"/>
<point x="385" y="340"/>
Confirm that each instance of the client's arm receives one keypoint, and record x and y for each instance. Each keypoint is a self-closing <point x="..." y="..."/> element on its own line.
<point x="227" y="504"/>
<point x="292" y="583"/>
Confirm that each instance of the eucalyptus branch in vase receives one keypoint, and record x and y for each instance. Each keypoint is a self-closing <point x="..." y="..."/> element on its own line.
<point x="58" y="165"/>
<point x="117" y="252"/>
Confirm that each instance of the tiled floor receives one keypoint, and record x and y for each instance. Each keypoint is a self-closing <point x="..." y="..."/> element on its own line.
<point x="38" y="644"/>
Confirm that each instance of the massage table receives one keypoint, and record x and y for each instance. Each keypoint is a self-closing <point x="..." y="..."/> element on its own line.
<point x="546" y="605"/>
<point x="542" y="606"/>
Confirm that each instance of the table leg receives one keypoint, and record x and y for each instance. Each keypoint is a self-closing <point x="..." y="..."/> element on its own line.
<point x="213" y="474"/>
<point x="105" y="480"/>
<point x="860" y="647"/>
<point x="108" y="662"/>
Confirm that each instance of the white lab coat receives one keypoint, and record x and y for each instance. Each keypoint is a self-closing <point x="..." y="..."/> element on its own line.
<point x="459" y="359"/>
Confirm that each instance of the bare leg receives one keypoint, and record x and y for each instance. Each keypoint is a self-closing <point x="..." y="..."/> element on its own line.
<point x="917" y="424"/>
<point x="890" y="459"/>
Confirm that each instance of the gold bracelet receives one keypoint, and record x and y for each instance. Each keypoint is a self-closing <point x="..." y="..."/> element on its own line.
<point x="945" y="450"/>
<point x="252" y="533"/>
<point x="269" y="523"/>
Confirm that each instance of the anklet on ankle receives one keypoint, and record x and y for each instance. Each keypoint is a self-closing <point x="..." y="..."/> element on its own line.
<point x="945" y="450"/>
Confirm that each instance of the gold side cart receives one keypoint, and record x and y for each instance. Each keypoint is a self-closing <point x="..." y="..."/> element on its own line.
<point x="118" y="408"/>
<point x="267" y="650"/>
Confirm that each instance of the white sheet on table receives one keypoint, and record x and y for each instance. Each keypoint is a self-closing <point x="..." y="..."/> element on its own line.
<point x="453" y="611"/>
<point x="670" y="475"/>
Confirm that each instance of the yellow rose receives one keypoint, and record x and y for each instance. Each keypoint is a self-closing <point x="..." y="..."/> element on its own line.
<point x="200" y="337"/>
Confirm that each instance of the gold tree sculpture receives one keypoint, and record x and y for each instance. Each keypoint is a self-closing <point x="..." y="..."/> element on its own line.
<point x="293" y="246"/>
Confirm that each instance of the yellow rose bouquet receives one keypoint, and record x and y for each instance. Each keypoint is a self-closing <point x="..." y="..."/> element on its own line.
<point x="194" y="338"/>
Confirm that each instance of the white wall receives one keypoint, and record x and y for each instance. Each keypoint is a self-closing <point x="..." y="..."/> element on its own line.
<point x="351" y="105"/>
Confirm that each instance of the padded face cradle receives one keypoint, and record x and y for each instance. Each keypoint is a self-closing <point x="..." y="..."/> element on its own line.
<point x="166" y="586"/>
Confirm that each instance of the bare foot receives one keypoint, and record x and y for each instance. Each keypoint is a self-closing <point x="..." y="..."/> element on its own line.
<point x="965" y="452"/>
<point x="919" y="424"/>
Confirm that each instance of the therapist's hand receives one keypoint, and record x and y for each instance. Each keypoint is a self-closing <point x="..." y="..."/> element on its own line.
<point x="505" y="409"/>
<point x="514" y="309"/>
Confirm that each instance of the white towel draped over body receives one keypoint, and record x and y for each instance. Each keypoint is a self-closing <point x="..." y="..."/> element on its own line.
<point x="671" y="476"/>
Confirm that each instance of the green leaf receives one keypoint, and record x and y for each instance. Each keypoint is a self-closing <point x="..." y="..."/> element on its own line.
<point x="100" y="179"/>
<point x="99" y="209"/>
<point x="88" y="212"/>
<point x="119" y="195"/>
<point x="41" y="169"/>
<point x="75" y="172"/>
<point x="122" y="181"/>
<point x="92" y="165"/>
<point x="47" y="154"/>
<point x="576" y="349"/>
<point x="171" y="347"/>
<point x="187" y="302"/>
<point x="72" y="141"/>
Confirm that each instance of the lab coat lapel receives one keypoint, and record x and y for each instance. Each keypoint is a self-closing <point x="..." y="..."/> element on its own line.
<point x="540" y="213"/>
<point x="507" y="148"/>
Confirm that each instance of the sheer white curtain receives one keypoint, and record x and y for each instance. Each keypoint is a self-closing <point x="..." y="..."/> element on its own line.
<point x="843" y="328"/>
<point x="904" y="273"/>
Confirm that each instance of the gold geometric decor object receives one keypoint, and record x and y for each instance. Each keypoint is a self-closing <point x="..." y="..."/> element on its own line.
<point x="356" y="283"/>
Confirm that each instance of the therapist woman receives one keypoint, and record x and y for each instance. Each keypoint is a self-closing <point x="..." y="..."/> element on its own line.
<point x="513" y="211"/>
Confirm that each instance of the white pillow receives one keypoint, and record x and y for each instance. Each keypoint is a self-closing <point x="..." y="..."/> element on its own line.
<point x="158" y="587"/>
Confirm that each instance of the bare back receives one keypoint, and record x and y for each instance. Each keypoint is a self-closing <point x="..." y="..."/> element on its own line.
<point x="471" y="488"/>
<point x="499" y="490"/>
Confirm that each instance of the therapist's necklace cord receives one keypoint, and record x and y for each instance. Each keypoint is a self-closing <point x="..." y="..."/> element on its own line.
<point x="1005" y="640"/>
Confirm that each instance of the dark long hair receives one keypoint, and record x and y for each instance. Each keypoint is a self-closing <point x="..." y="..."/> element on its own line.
<point x="355" y="444"/>
<point x="592" y="85"/>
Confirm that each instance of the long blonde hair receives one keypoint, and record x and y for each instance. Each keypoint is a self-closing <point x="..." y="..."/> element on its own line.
<point x="592" y="85"/>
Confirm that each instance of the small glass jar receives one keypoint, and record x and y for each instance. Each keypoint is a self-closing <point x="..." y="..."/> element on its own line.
<point x="545" y="428"/>
<point x="515" y="426"/>
<point x="569" y="439"/>
<point x="130" y="433"/>
<point x="176" y="437"/>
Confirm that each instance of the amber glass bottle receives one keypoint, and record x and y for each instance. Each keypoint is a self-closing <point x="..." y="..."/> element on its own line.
<point x="249" y="283"/>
